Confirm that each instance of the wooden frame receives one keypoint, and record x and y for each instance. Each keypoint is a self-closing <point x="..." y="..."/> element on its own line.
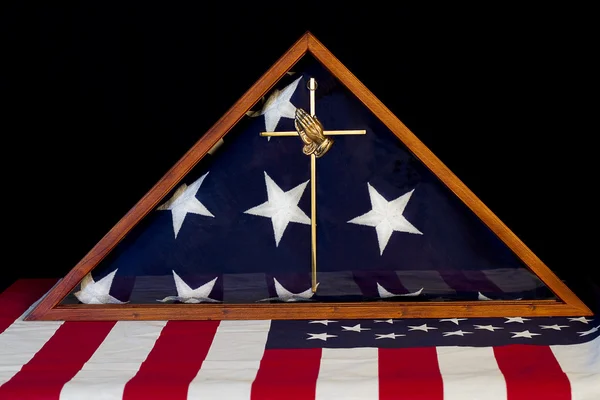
<point x="49" y="308"/>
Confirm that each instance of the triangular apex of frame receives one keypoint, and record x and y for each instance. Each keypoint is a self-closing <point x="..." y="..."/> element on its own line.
<point x="49" y="309"/>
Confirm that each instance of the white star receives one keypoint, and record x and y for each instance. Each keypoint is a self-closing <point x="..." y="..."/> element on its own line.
<point x="278" y="105"/>
<point x="555" y="327"/>
<point x="388" y="335"/>
<point x="97" y="292"/>
<point x="595" y="329"/>
<point x="286" y="296"/>
<point x="323" y="321"/>
<point x="355" y="328"/>
<point x="423" y="328"/>
<point x="525" y="334"/>
<point x="487" y="327"/>
<point x="386" y="217"/>
<point x="186" y="294"/>
<point x="516" y="319"/>
<point x="388" y="321"/>
<point x="456" y="333"/>
<point x="481" y="296"/>
<point x="580" y="319"/>
<point x="453" y="320"/>
<point x="320" y="336"/>
<point x="281" y="207"/>
<point x="184" y="201"/>
<point x="384" y="293"/>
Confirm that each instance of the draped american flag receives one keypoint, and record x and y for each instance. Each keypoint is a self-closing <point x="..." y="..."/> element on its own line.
<point x="237" y="231"/>
<point x="477" y="358"/>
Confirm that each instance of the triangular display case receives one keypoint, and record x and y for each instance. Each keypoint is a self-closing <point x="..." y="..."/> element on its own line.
<point x="338" y="295"/>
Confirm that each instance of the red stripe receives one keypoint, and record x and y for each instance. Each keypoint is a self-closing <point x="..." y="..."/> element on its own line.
<point x="410" y="373"/>
<point x="532" y="372"/>
<point x="173" y="362"/>
<point x="57" y="362"/>
<point x="276" y="380"/>
<point x="18" y="297"/>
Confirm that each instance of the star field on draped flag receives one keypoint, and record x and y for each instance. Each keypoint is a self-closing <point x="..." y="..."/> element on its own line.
<point x="477" y="332"/>
<point x="423" y="328"/>
<point x="589" y="332"/>
<point x="519" y="320"/>
<point x="387" y="335"/>
<point x="490" y="328"/>
<point x="525" y="334"/>
<point x="320" y="336"/>
<point x="322" y="322"/>
<point x="184" y="201"/>
<point x="556" y="327"/>
<point x="459" y="332"/>
<point x="455" y="321"/>
<point x="581" y="319"/>
<point x="386" y="217"/>
<point x="355" y="328"/>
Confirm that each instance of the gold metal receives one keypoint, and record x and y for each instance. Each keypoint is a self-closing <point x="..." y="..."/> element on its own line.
<point x="310" y="131"/>
<point x="313" y="220"/>
<point x="312" y="86"/>
<point x="316" y="143"/>
<point x="328" y="133"/>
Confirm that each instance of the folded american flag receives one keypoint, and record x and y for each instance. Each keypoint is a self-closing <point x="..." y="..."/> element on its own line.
<point x="236" y="228"/>
<point x="454" y="358"/>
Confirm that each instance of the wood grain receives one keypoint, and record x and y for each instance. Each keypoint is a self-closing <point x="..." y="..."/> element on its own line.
<point x="443" y="173"/>
<point x="295" y="311"/>
<point x="49" y="308"/>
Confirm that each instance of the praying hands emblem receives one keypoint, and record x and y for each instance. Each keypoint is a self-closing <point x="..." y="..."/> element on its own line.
<point x="310" y="130"/>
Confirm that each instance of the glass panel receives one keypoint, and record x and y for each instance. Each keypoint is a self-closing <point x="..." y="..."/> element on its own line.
<point x="237" y="229"/>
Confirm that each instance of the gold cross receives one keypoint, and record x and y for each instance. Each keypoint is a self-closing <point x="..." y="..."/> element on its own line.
<point x="312" y="87"/>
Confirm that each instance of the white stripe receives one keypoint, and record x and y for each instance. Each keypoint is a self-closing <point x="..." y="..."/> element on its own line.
<point x="581" y="364"/>
<point x="471" y="373"/>
<point x="20" y="342"/>
<point x="348" y="374"/>
<point x="232" y="361"/>
<point x="115" y="362"/>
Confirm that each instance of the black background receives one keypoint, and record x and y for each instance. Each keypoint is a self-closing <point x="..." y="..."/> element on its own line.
<point x="101" y="99"/>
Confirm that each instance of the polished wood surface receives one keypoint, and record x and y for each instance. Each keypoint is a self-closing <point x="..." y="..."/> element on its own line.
<point x="308" y="310"/>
